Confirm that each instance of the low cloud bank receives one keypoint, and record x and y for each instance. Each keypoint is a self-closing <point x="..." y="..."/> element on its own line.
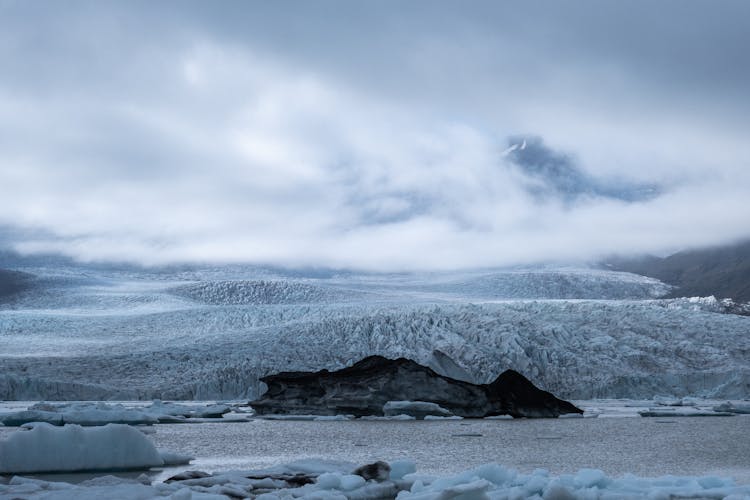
<point x="194" y="145"/>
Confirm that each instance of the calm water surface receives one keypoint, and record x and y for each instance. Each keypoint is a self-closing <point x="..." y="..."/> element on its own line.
<point x="643" y="446"/>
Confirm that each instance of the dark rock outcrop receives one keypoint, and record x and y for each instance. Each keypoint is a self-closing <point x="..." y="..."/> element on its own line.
<point x="365" y="387"/>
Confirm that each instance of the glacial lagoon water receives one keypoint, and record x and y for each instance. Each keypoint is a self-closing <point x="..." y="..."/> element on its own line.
<point x="642" y="446"/>
<point x="625" y="444"/>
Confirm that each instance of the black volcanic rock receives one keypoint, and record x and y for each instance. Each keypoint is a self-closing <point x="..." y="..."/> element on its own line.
<point x="363" y="388"/>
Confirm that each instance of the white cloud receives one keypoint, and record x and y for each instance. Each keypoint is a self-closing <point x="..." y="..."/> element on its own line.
<point x="235" y="154"/>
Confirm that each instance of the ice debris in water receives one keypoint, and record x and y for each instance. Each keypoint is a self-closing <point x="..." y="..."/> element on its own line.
<point x="311" y="479"/>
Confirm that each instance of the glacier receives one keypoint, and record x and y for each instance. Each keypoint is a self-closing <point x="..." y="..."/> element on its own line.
<point x="88" y="333"/>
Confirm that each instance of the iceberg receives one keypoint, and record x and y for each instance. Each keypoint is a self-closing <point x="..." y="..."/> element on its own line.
<point x="48" y="448"/>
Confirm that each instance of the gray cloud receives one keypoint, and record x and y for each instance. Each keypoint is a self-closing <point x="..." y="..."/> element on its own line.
<point x="371" y="134"/>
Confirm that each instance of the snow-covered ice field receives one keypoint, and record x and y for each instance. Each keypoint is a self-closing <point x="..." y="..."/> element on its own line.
<point x="91" y="333"/>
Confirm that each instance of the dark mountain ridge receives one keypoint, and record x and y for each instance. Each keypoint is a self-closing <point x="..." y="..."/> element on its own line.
<point x="723" y="272"/>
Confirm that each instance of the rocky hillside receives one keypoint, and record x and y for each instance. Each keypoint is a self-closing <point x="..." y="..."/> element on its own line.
<point x="721" y="271"/>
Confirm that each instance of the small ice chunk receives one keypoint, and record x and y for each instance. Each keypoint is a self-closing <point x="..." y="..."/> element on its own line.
<point x="171" y="458"/>
<point x="400" y="468"/>
<point x="394" y="417"/>
<point x="685" y="411"/>
<point x="329" y="481"/>
<point x="731" y="407"/>
<point x="667" y="401"/>
<point x="495" y="473"/>
<point x="417" y="409"/>
<point x="352" y="481"/>
<point x="586" y="478"/>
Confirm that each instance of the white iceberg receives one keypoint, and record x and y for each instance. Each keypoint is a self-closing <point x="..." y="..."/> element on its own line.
<point x="48" y="448"/>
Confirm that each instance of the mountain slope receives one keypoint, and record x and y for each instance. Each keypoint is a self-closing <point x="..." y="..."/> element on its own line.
<point x="721" y="271"/>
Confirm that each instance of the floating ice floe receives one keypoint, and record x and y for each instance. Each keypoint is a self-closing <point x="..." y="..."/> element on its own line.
<point x="322" y="480"/>
<point x="401" y="416"/>
<point x="161" y="409"/>
<point x="98" y="413"/>
<point x="47" y="448"/>
<point x="683" y="412"/>
<point x="734" y="407"/>
<point x="79" y="413"/>
<point x="673" y="401"/>
<point x="317" y="418"/>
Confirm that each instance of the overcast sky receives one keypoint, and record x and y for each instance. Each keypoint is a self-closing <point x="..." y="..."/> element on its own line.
<point x="375" y="135"/>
